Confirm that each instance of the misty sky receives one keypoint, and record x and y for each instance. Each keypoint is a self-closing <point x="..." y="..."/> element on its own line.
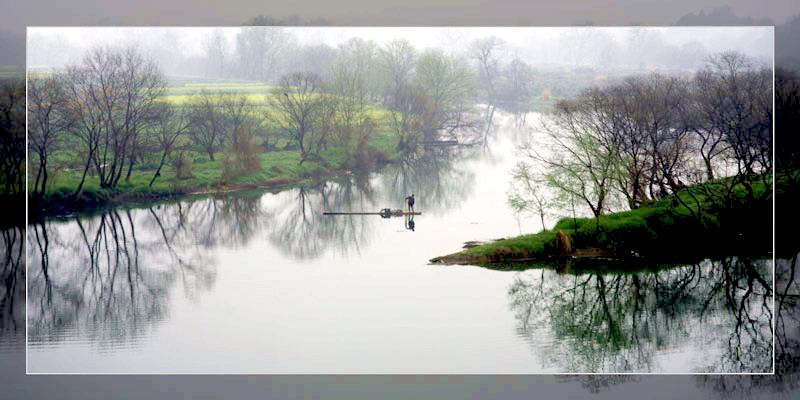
<point x="385" y="12"/>
<point x="54" y="47"/>
<point x="15" y="17"/>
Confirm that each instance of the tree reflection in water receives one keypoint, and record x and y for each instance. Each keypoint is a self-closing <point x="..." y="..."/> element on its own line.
<point x="115" y="270"/>
<point x="435" y="179"/>
<point x="12" y="290"/>
<point x="113" y="275"/>
<point x="787" y="343"/>
<point x="302" y="232"/>
<point x="617" y="322"/>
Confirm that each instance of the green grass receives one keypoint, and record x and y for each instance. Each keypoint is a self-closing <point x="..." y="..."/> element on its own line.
<point x="517" y="247"/>
<point x="665" y="230"/>
<point x="277" y="168"/>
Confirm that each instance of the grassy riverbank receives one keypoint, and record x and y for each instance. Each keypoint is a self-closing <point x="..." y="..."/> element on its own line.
<point x="673" y="229"/>
<point x="279" y="162"/>
<point x="278" y="168"/>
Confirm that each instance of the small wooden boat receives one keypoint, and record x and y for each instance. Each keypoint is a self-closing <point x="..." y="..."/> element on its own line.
<point x="385" y="213"/>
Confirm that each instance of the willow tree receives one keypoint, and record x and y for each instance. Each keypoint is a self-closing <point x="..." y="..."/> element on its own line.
<point x="575" y="162"/>
<point x="351" y="88"/>
<point x="448" y="84"/>
<point x="528" y="193"/>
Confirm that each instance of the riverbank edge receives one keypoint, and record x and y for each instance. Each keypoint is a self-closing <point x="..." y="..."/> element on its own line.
<point x="89" y="202"/>
<point x="660" y="231"/>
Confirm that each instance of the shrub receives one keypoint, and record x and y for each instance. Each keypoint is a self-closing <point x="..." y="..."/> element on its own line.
<point x="183" y="166"/>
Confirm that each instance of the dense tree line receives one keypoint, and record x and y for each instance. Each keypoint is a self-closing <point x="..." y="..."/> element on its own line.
<point x="631" y="141"/>
<point x="644" y="138"/>
<point x="106" y="118"/>
<point x="12" y="139"/>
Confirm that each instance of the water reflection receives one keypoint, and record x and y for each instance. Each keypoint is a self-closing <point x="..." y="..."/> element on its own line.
<point x="12" y="289"/>
<point x="302" y="232"/>
<point x="439" y="180"/>
<point x="109" y="277"/>
<point x="787" y="343"/>
<point x="620" y="322"/>
<point x="409" y="223"/>
<point x="112" y="278"/>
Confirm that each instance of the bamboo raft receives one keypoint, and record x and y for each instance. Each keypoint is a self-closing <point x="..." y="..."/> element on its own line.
<point x="385" y="213"/>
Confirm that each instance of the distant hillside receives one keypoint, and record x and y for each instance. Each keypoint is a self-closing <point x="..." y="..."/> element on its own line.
<point x="721" y="16"/>
<point x="787" y="43"/>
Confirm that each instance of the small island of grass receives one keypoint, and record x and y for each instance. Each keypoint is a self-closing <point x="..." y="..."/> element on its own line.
<point x="685" y="227"/>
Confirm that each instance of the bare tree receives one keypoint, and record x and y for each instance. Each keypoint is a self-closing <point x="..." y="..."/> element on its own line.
<point x="12" y="136"/>
<point x="408" y="114"/>
<point x="169" y="125"/>
<point x="397" y="59"/>
<point x="316" y="59"/>
<point x="49" y="120"/>
<point x="208" y="125"/>
<point x="734" y="107"/>
<point x="661" y="104"/>
<point x="119" y="89"/>
<point x="89" y="119"/>
<point x="485" y="52"/>
<point x="297" y="108"/>
<point x="515" y="87"/>
<point x="642" y="122"/>
<point x="259" y="49"/>
<point x="242" y="154"/>
<point x="236" y="112"/>
<point x="216" y="48"/>
<point x="361" y="58"/>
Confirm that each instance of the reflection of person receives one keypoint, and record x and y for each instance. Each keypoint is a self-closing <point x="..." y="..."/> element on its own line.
<point x="410" y="222"/>
<point x="410" y="202"/>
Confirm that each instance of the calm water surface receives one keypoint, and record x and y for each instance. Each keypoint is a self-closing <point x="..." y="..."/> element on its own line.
<point x="261" y="282"/>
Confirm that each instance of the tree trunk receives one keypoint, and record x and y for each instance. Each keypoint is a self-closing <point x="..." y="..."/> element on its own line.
<point x="709" y="170"/>
<point x="541" y="215"/>
<point x="43" y="168"/>
<point x="130" y="169"/>
<point x="79" y="189"/>
<point x="158" y="170"/>
<point x="38" y="176"/>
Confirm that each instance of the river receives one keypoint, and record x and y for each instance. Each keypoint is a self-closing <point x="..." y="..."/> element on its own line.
<point x="262" y="282"/>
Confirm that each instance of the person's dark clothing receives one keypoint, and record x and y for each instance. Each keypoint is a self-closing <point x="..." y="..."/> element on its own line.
<point x="410" y="201"/>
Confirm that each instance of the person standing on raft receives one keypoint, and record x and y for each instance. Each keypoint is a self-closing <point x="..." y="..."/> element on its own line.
<point x="410" y="202"/>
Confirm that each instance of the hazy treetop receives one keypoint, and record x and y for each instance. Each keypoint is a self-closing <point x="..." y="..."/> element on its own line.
<point x="54" y="47"/>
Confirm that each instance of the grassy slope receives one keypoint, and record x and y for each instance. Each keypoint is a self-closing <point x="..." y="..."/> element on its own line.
<point x="278" y="168"/>
<point x="664" y="230"/>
